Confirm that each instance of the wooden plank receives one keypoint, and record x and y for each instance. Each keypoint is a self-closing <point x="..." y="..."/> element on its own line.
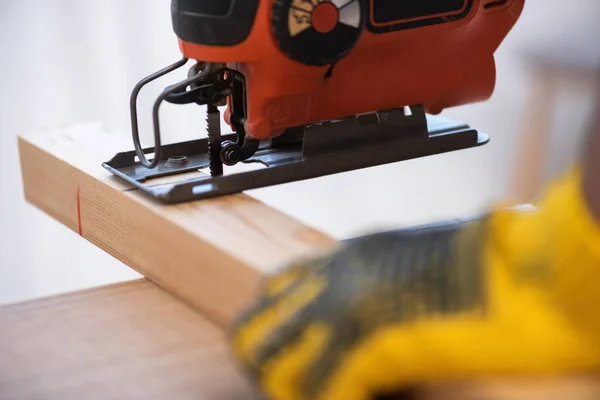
<point x="211" y="254"/>
<point x="131" y="340"/>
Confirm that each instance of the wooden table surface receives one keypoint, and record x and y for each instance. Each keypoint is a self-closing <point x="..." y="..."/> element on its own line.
<point x="126" y="341"/>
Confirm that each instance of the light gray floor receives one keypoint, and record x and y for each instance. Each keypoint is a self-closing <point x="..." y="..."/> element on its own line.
<point x="64" y="62"/>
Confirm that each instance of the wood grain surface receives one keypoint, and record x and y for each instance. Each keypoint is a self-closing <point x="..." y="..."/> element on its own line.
<point x="124" y="341"/>
<point x="136" y="341"/>
<point x="212" y="253"/>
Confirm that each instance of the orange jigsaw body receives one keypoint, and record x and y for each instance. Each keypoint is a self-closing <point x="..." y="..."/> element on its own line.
<point x="317" y="87"/>
<point x="439" y="65"/>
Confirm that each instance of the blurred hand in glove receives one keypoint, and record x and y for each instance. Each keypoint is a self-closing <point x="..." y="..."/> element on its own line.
<point x="513" y="292"/>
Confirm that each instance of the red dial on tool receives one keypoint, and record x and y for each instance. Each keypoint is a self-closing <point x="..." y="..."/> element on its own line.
<point x="325" y="17"/>
<point x="318" y="32"/>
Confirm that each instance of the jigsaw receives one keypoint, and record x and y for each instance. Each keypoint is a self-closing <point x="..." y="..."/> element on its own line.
<point x="316" y="87"/>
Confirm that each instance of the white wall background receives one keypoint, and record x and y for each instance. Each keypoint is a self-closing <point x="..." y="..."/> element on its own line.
<point x="68" y="61"/>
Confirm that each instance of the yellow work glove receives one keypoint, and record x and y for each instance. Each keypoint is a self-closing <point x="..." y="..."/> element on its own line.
<point x="459" y="300"/>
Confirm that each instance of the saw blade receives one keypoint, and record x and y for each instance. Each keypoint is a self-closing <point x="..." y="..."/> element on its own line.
<point x="213" y="127"/>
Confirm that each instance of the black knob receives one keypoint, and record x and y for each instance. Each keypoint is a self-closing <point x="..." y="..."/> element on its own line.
<point x="230" y="153"/>
<point x="318" y="32"/>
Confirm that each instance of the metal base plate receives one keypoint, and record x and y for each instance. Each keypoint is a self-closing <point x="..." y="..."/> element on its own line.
<point x="301" y="153"/>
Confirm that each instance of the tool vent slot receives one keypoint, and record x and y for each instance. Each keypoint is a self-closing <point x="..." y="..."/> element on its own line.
<point x="491" y="4"/>
<point x="212" y="8"/>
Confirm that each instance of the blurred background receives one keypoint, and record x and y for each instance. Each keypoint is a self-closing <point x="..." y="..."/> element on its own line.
<point x="72" y="61"/>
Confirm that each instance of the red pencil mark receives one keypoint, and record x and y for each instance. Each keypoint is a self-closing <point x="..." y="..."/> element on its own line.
<point x="79" y="212"/>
